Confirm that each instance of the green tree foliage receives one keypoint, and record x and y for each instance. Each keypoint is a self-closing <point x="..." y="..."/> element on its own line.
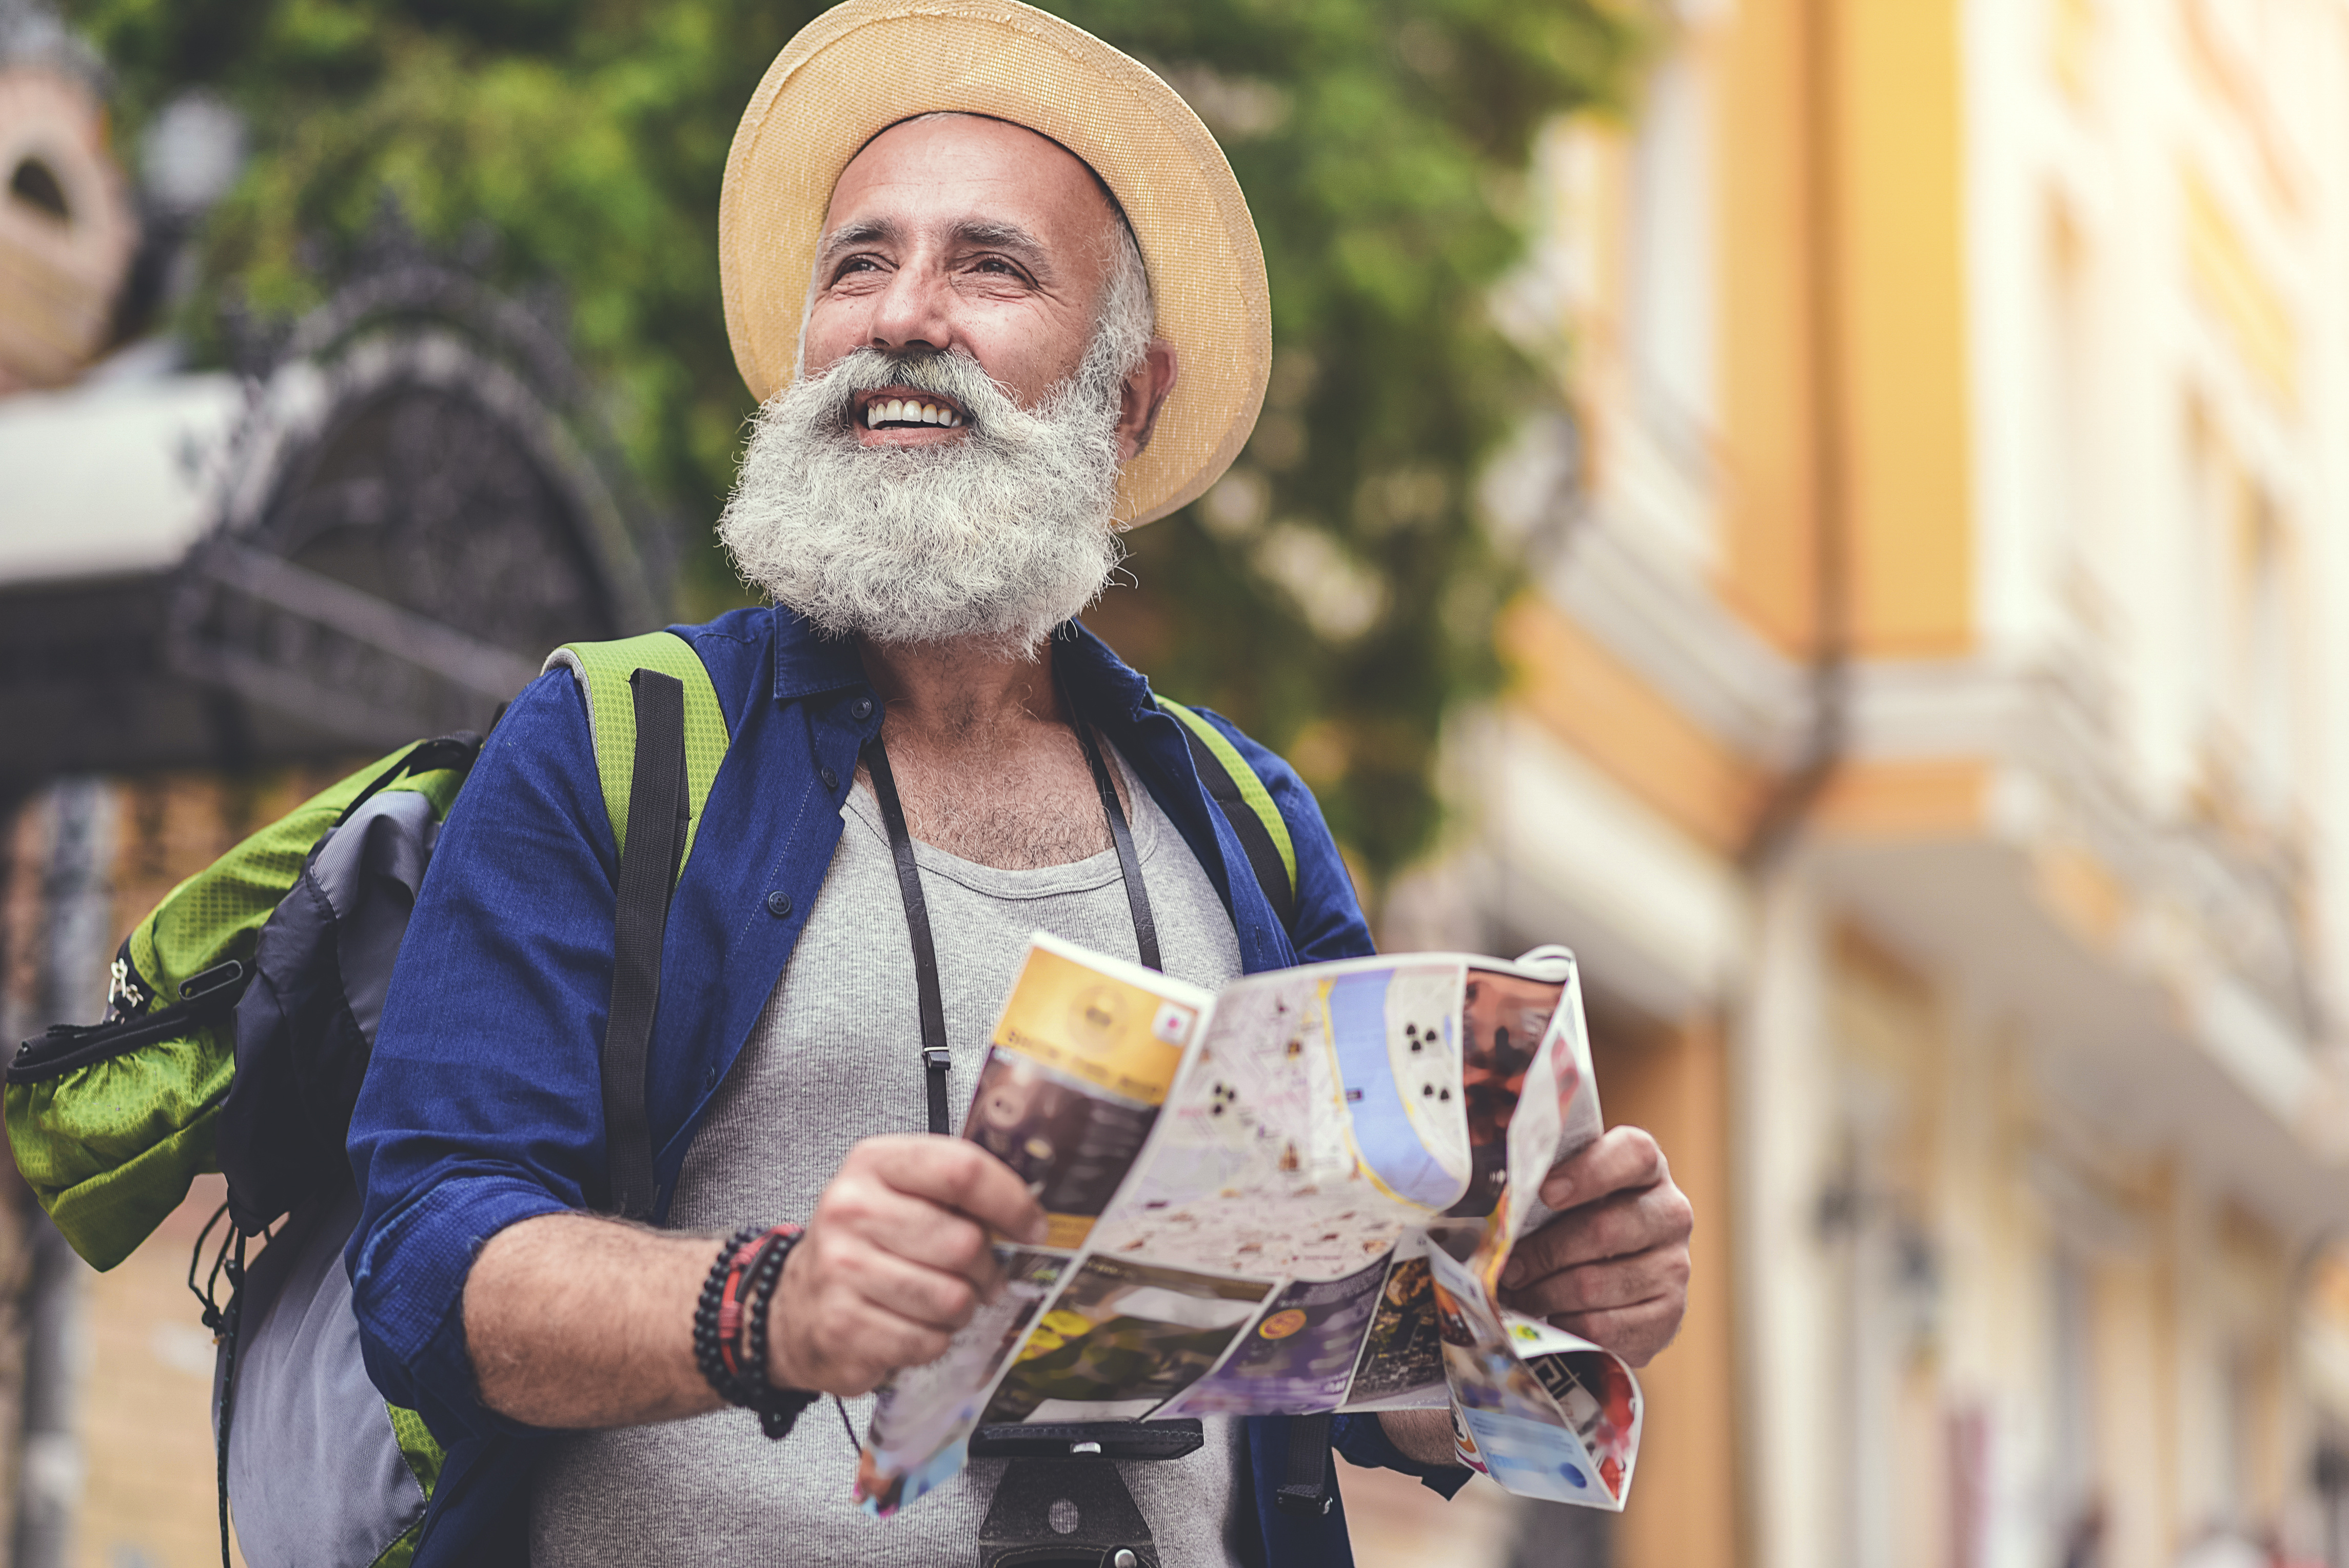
<point x="1335" y="595"/>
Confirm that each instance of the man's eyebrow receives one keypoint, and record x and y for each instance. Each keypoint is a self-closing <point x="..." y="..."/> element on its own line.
<point x="993" y="234"/>
<point x="863" y="231"/>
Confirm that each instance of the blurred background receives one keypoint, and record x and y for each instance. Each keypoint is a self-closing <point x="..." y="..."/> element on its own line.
<point x="1829" y="507"/>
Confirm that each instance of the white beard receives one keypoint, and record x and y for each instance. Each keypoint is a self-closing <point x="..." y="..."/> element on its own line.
<point x="999" y="535"/>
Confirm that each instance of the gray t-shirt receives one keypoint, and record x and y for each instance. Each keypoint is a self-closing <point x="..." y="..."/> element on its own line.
<point x="836" y="1058"/>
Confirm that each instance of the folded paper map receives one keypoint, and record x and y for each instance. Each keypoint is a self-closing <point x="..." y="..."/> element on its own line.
<point x="1295" y="1196"/>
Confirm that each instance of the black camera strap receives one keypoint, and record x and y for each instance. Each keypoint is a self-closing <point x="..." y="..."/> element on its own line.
<point x="935" y="1058"/>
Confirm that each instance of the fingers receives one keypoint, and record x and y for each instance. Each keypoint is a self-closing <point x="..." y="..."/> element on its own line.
<point x="1656" y="1274"/>
<point x="1615" y="1227"/>
<point x="859" y="1205"/>
<point x="825" y="1333"/>
<point x="956" y="1174"/>
<point x="895" y="1259"/>
<point x="1614" y="1267"/>
<point x="1621" y="1158"/>
<point x="921" y="1294"/>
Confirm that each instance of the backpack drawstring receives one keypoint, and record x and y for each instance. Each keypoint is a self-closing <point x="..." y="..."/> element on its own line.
<point x="228" y="1262"/>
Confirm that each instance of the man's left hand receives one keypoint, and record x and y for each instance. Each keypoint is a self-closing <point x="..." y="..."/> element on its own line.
<point x="1613" y="1265"/>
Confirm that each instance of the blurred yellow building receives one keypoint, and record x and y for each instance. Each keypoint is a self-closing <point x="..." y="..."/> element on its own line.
<point x="1929" y="730"/>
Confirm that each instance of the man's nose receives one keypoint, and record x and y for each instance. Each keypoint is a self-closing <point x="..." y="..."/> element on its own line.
<point x="913" y="311"/>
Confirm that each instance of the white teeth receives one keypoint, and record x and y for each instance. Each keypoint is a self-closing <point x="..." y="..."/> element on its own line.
<point x="905" y="411"/>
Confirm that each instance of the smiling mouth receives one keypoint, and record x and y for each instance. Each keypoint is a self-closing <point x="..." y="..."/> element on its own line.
<point x="898" y="410"/>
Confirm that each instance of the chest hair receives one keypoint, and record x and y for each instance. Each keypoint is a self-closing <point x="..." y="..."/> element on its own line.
<point x="1017" y="802"/>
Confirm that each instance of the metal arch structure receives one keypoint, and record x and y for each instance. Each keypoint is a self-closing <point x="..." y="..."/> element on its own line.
<point x="416" y="503"/>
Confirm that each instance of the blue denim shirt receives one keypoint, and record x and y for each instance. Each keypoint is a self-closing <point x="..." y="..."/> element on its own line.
<point x="483" y="1104"/>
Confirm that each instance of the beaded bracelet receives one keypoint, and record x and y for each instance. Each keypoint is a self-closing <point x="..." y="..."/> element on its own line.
<point x="711" y="1349"/>
<point x="738" y="1291"/>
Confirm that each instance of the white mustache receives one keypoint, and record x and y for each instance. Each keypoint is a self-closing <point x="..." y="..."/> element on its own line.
<point x="987" y="401"/>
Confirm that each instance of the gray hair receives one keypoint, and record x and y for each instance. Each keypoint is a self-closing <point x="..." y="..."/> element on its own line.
<point x="1128" y="317"/>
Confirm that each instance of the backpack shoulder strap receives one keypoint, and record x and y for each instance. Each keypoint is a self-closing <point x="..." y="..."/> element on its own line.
<point x="604" y="668"/>
<point x="659" y="735"/>
<point x="1248" y="805"/>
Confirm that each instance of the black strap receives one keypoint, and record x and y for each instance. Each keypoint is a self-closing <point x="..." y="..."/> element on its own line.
<point x="1306" y="1490"/>
<point x="934" y="1055"/>
<point x="455" y="749"/>
<point x="648" y="865"/>
<point x="1129" y="865"/>
<point x="1263" y="854"/>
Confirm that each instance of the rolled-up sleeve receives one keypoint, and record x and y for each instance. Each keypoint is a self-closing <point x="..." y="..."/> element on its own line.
<point x="483" y="1104"/>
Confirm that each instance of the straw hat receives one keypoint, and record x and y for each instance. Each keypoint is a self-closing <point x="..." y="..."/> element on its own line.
<point x="862" y="67"/>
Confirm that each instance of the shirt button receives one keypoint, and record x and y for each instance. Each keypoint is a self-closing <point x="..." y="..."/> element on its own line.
<point x="830" y="780"/>
<point x="709" y="1077"/>
<point x="778" y="904"/>
<point x="861" y="708"/>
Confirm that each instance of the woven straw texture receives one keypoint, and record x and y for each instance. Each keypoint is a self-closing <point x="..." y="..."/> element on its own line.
<point x="865" y="66"/>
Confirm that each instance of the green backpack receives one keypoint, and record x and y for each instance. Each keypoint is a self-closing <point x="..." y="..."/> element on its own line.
<point x="240" y="1021"/>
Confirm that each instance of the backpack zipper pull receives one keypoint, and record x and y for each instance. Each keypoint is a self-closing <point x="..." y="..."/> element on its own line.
<point x="219" y="977"/>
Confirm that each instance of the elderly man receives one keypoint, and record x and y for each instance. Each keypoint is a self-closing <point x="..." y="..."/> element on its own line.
<point x="1001" y="353"/>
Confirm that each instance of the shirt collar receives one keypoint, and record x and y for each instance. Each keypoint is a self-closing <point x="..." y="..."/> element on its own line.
<point x="809" y="665"/>
<point x="1102" y="684"/>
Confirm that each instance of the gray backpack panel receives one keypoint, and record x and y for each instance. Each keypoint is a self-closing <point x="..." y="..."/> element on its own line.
<point x="306" y="1025"/>
<point x="315" y="1476"/>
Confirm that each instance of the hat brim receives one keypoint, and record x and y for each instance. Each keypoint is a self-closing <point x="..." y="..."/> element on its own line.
<point x="862" y="67"/>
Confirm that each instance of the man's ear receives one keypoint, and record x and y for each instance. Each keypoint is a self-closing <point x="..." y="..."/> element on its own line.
<point x="1145" y="392"/>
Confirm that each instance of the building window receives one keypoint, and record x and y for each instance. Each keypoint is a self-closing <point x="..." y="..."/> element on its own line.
<point x="2265" y="670"/>
<point x="2243" y="559"/>
<point x="1669" y="282"/>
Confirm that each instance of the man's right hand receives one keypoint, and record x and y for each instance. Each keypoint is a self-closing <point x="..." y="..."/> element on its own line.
<point x="895" y="1259"/>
